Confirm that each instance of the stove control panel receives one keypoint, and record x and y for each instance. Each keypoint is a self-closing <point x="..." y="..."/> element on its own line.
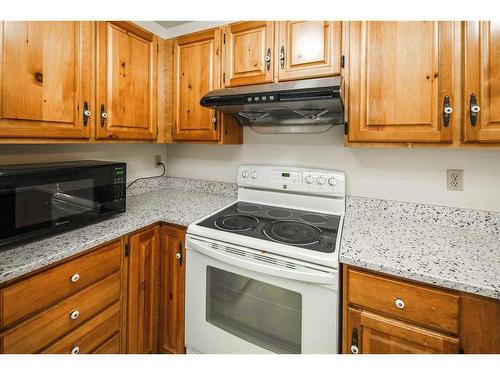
<point x="301" y="180"/>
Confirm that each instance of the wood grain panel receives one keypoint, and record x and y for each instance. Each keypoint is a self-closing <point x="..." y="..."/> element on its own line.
<point x="42" y="330"/>
<point x="381" y="335"/>
<point x="112" y="346"/>
<point x="34" y="294"/>
<point x="91" y="335"/>
<point x="399" y="74"/>
<point x="196" y="72"/>
<point x="46" y="75"/>
<point x="430" y="307"/>
<point x="247" y="46"/>
<point x="312" y="49"/>
<point x="481" y="65"/>
<point x="172" y="290"/>
<point x="143" y="273"/>
<point x="127" y="81"/>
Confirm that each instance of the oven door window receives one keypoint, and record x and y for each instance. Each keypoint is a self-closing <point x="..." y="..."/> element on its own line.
<point x="263" y="314"/>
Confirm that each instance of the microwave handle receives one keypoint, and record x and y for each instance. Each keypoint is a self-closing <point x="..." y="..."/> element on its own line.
<point x="312" y="276"/>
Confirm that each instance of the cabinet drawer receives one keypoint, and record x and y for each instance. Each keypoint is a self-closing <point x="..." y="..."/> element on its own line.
<point x="112" y="346"/>
<point x="40" y="331"/>
<point x="424" y="305"/>
<point x="91" y="335"/>
<point x="40" y="291"/>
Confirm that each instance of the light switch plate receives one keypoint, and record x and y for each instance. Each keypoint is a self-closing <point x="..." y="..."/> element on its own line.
<point x="455" y="179"/>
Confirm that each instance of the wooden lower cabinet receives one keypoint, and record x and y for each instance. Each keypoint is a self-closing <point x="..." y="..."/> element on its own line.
<point x="384" y="314"/>
<point x="371" y="333"/>
<point x="142" y="295"/>
<point x="173" y="268"/>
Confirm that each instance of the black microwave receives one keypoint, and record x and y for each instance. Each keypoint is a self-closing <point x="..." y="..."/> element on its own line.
<point x="37" y="200"/>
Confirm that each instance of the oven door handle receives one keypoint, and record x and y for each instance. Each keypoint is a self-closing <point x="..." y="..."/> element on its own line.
<point x="310" y="275"/>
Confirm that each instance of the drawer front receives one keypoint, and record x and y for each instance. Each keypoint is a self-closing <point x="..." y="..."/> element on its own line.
<point x="90" y="335"/>
<point x="112" y="346"/>
<point x="40" y="291"/>
<point x="43" y="329"/>
<point x="427" y="306"/>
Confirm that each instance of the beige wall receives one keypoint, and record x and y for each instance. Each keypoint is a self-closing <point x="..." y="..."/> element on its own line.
<point x="415" y="175"/>
<point x="139" y="157"/>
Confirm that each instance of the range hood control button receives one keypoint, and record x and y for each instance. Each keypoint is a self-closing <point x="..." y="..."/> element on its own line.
<point x="244" y="174"/>
<point x="320" y="180"/>
<point x="309" y="179"/>
<point x="254" y="175"/>
<point x="332" y="181"/>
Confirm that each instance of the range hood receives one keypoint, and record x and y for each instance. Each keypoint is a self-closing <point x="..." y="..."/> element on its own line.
<point x="307" y="106"/>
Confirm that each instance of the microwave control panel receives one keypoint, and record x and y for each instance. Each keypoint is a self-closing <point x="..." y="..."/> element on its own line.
<point x="119" y="179"/>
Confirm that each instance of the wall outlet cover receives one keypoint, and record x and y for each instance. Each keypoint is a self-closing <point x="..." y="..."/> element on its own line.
<point x="455" y="179"/>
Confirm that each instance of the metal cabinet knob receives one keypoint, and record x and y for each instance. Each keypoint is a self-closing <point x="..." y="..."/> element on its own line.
<point x="104" y="115"/>
<point x="74" y="314"/>
<point x="400" y="304"/>
<point x="354" y="349"/>
<point x="448" y="110"/>
<point x="475" y="109"/>
<point x="87" y="113"/>
<point x="178" y="256"/>
<point x="75" y="350"/>
<point x="75" y="277"/>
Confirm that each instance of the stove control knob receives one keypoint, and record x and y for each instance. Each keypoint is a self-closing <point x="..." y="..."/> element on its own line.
<point x="332" y="181"/>
<point x="254" y="175"/>
<point x="309" y="179"/>
<point x="320" y="180"/>
<point x="244" y="174"/>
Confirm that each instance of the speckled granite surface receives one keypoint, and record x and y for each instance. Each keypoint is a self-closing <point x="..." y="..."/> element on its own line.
<point x="168" y="204"/>
<point x="448" y="247"/>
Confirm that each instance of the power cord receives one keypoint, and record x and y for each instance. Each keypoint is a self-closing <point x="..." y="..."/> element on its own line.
<point x="147" y="178"/>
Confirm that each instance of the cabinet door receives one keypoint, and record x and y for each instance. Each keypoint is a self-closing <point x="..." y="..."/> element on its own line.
<point x="46" y="79"/>
<point x="142" y="310"/>
<point x="127" y="59"/>
<point x="173" y="267"/>
<point x="375" y="334"/>
<point x="196" y="72"/>
<point x="249" y="53"/>
<point x="308" y="49"/>
<point x="481" y="82"/>
<point x="400" y="80"/>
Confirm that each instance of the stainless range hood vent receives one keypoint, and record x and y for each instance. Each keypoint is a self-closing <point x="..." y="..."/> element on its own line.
<point x="307" y="106"/>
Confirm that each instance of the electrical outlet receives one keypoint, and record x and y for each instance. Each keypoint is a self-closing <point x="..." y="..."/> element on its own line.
<point x="455" y="179"/>
<point x="157" y="160"/>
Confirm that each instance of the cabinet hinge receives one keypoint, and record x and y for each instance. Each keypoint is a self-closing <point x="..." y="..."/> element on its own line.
<point x="346" y="128"/>
<point x="127" y="249"/>
<point x="342" y="62"/>
<point x="224" y="39"/>
<point x="224" y="77"/>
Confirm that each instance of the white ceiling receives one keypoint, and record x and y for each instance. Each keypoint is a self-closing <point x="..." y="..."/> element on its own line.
<point x="172" y="29"/>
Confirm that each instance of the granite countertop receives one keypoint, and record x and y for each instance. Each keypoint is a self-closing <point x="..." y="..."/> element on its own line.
<point x="448" y="247"/>
<point x="170" y="204"/>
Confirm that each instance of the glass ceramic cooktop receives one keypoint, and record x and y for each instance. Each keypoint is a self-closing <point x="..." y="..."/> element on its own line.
<point x="304" y="229"/>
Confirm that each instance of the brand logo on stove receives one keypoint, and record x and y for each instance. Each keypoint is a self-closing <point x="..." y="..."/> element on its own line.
<point x="285" y="186"/>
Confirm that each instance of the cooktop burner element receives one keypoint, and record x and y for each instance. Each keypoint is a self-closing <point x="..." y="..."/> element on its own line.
<point x="279" y="213"/>
<point x="313" y="218"/>
<point x="237" y="223"/>
<point x="248" y="208"/>
<point x="304" y="229"/>
<point x="293" y="232"/>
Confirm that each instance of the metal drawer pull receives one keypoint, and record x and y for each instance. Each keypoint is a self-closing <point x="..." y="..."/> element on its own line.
<point x="400" y="304"/>
<point x="354" y="341"/>
<point x="354" y="349"/>
<point x="447" y="110"/>
<point x="75" y="277"/>
<point x="74" y="314"/>
<point x="474" y="109"/>
<point x="75" y="350"/>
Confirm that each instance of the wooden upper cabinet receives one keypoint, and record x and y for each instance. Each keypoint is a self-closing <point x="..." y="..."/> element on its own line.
<point x="142" y="310"/>
<point x="370" y="333"/>
<point x="46" y="79"/>
<point x="127" y="60"/>
<point x="308" y="49"/>
<point x="481" y="111"/>
<point x="172" y="289"/>
<point x="197" y="62"/>
<point x="400" y="79"/>
<point x="249" y="53"/>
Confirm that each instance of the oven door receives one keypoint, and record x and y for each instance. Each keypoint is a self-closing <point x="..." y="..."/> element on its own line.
<point x="241" y="300"/>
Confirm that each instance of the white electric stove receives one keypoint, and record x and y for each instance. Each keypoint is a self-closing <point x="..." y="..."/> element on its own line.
<point x="262" y="273"/>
